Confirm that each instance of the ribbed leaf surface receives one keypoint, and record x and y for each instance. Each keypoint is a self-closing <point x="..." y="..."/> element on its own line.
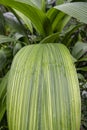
<point x="77" y="10"/>
<point x="43" y="91"/>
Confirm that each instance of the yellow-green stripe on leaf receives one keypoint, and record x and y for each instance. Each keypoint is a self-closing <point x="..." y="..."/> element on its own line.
<point x="43" y="91"/>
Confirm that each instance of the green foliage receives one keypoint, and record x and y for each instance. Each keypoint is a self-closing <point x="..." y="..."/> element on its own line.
<point x="27" y="22"/>
<point x="43" y="89"/>
<point x="79" y="51"/>
<point x="37" y="17"/>
<point x="5" y="39"/>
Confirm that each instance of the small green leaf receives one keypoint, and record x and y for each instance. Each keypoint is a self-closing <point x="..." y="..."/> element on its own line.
<point x="80" y="77"/>
<point x="66" y="40"/>
<point x="5" y="39"/>
<point x="82" y="69"/>
<point x="79" y="49"/>
<point x="82" y="59"/>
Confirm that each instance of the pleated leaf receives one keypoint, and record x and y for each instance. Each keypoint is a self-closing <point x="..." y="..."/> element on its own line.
<point x="77" y="10"/>
<point x="43" y="91"/>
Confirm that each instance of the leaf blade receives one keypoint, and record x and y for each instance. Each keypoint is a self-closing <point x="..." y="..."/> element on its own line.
<point x="77" y="10"/>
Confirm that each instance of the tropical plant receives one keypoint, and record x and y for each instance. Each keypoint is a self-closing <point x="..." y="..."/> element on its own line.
<point x="36" y="92"/>
<point x="47" y="27"/>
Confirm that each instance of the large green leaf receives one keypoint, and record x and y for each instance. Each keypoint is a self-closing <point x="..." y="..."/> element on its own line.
<point x="37" y="17"/>
<point x="77" y="10"/>
<point x="43" y="90"/>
